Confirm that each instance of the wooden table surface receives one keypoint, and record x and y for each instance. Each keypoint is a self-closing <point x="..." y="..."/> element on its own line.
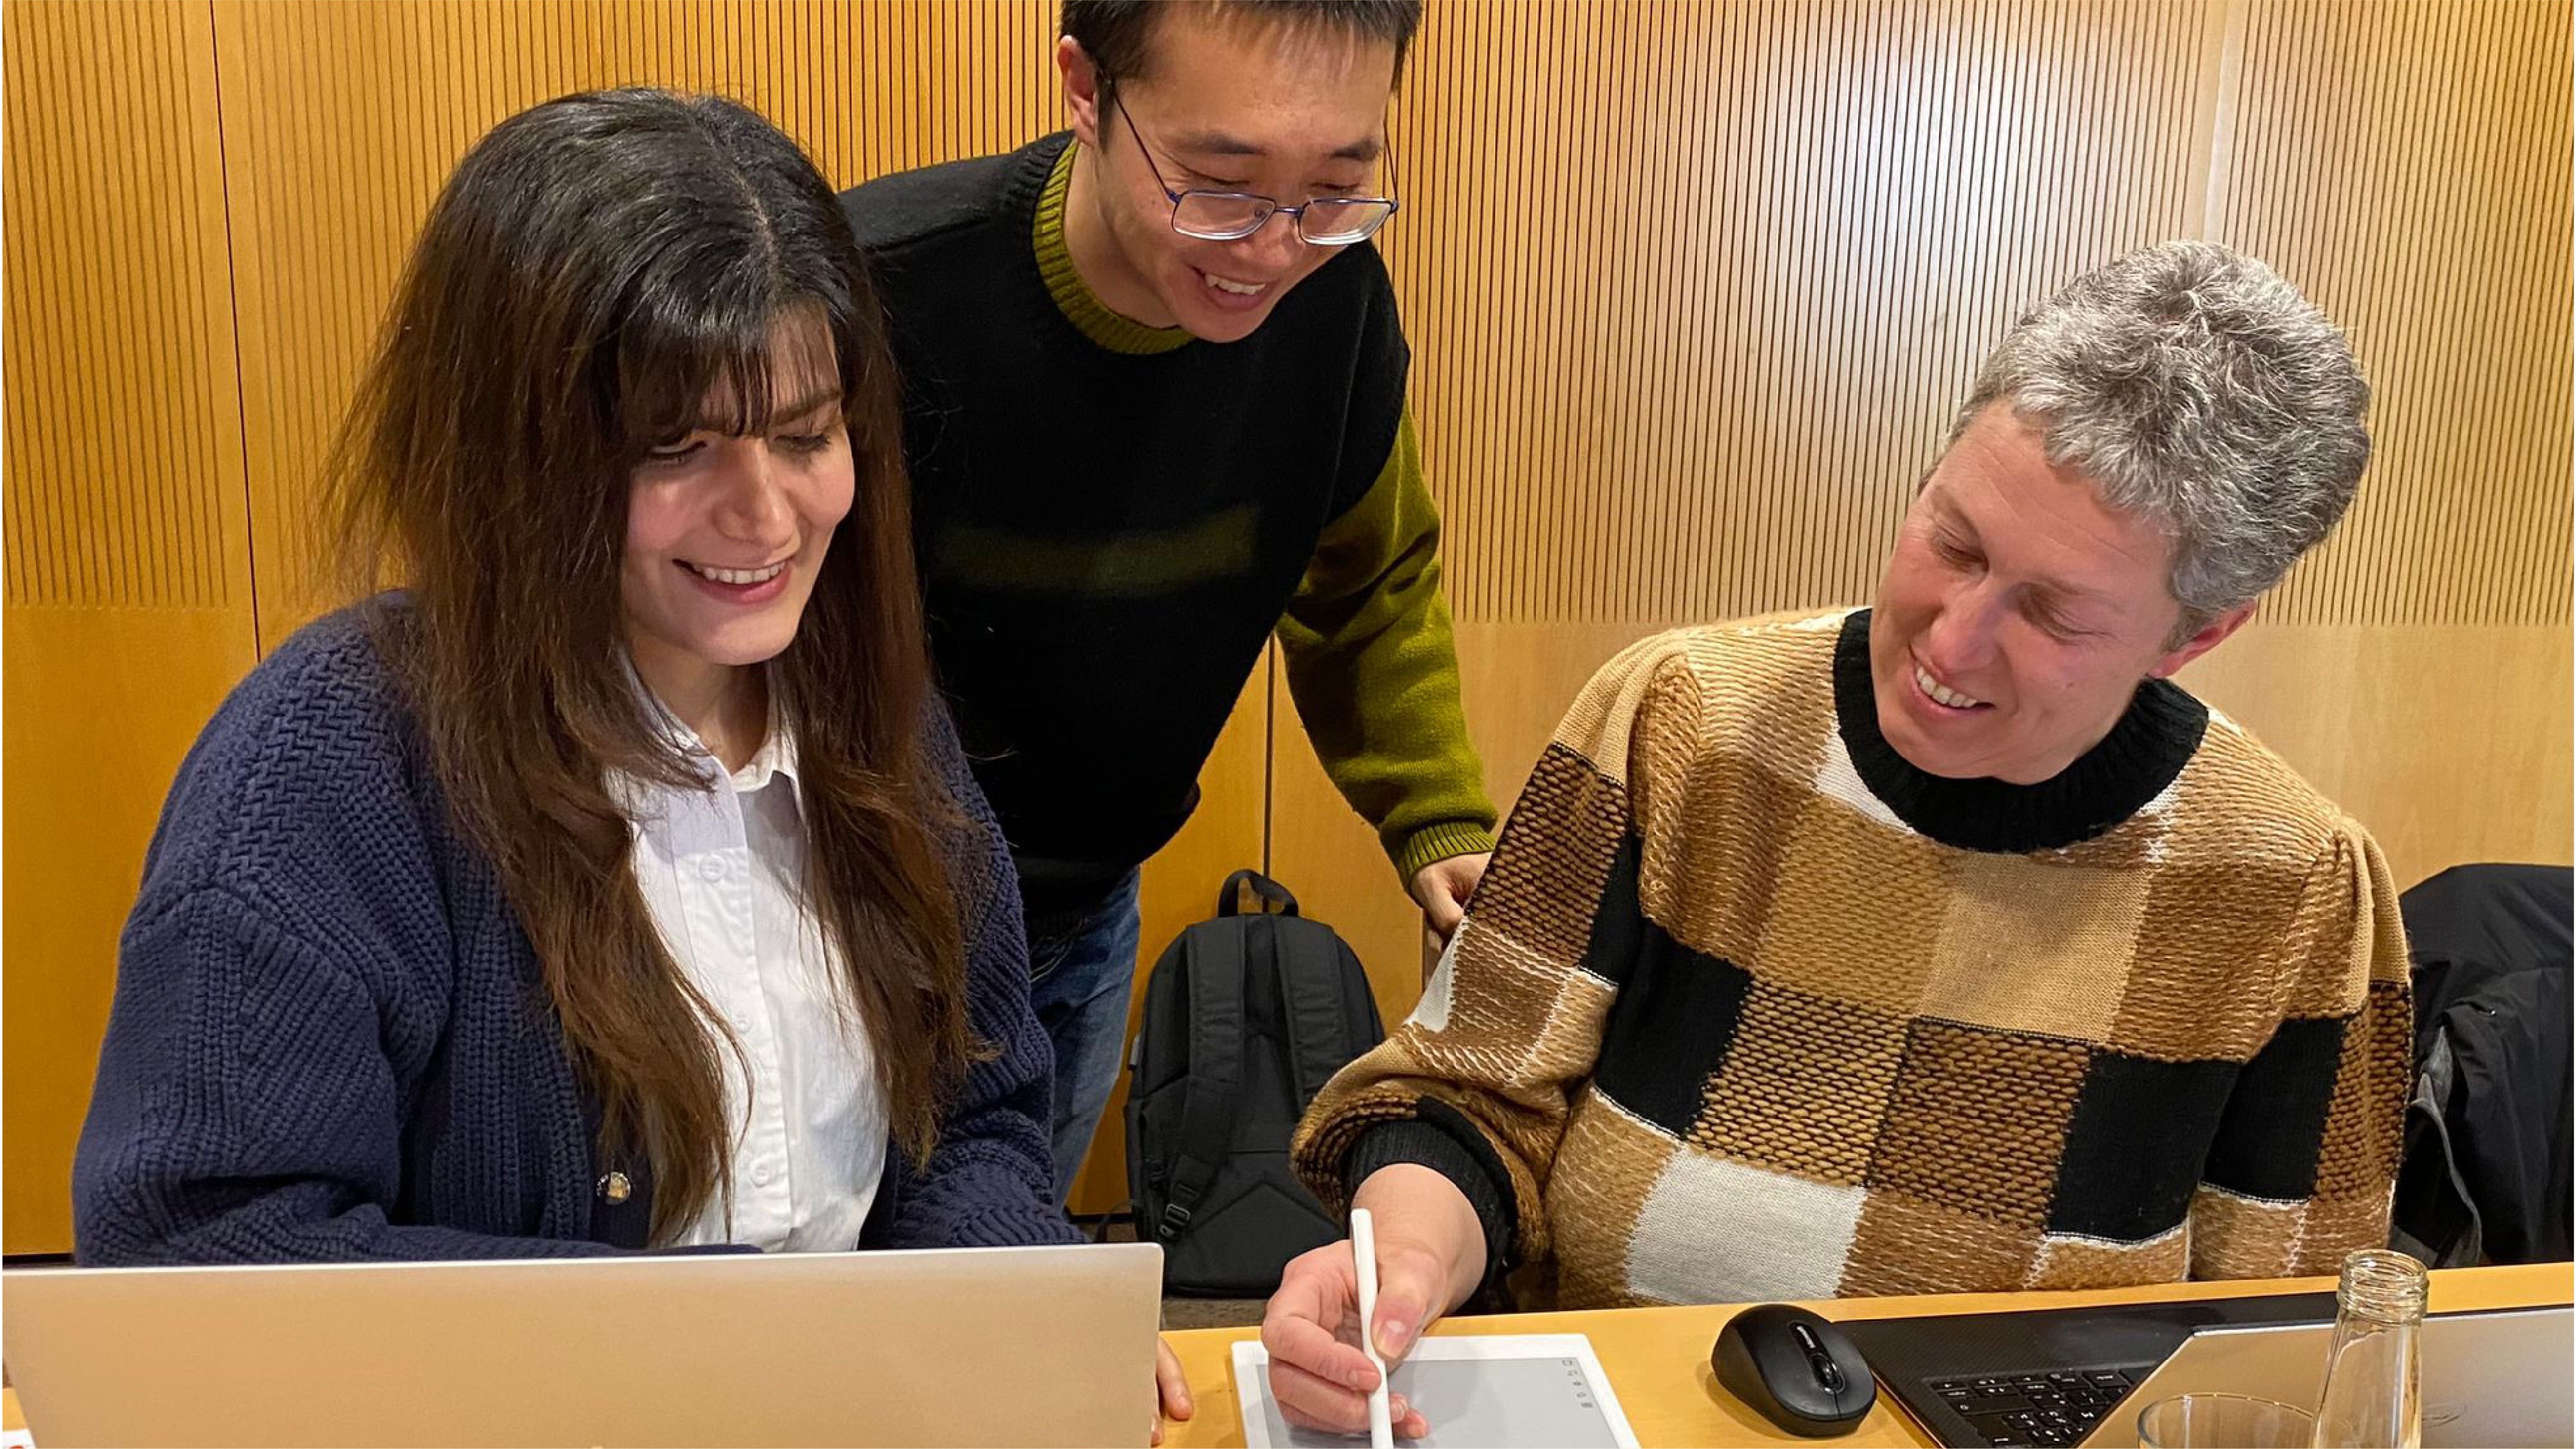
<point x="1657" y="1358"/>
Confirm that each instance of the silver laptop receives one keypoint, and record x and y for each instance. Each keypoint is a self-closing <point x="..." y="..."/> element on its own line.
<point x="2498" y="1379"/>
<point x="1050" y="1345"/>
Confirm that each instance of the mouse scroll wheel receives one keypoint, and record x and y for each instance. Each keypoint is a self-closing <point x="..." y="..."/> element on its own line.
<point x="1828" y="1373"/>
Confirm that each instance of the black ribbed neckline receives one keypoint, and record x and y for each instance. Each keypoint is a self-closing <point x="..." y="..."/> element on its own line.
<point x="2133" y="764"/>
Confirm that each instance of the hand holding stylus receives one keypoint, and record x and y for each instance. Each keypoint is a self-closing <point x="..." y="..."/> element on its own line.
<point x="1429" y="1253"/>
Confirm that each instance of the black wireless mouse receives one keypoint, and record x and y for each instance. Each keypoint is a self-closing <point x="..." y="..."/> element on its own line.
<point x="1794" y="1369"/>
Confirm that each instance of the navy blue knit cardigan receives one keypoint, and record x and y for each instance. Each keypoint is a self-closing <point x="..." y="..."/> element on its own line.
<point x="330" y="1039"/>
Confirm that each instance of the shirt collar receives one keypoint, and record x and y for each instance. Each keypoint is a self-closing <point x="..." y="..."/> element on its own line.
<point x="775" y="757"/>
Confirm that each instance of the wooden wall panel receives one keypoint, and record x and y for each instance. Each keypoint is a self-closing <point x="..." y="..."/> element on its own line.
<point x="128" y="606"/>
<point x="123" y="463"/>
<point x="2408" y="166"/>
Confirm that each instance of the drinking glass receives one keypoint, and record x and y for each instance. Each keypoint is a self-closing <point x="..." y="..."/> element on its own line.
<point x="2222" y="1421"/>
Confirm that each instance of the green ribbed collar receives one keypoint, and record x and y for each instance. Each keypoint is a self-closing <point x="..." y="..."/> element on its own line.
<point x="1073" y="296"/>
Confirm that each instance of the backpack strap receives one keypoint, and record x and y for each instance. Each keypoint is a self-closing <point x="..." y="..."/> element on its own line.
<point x="1270" y="892"/>
<point x="1311" y="1014"/>
<point x="1215" y="1081"/>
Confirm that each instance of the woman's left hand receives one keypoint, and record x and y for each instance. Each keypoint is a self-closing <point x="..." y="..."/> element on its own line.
<point x="1170" y="1387"/>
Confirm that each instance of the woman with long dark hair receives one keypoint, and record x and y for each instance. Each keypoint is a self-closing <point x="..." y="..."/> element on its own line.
<point x="616" y="881"/>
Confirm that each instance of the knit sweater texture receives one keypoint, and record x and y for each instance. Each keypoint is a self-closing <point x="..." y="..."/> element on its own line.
<point x="331" y="1040"/>
<point x="1114" y="518"/>
<point x="1748" y="1008"/>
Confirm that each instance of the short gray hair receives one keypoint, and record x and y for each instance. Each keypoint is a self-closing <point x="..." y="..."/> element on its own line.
<point x="2203" y="393"/>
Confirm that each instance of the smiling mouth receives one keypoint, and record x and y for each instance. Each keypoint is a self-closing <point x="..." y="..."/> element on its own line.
<point x="737" y="577"/>
<point x="1942" y="694"/>
<point x="1234" y="288"/>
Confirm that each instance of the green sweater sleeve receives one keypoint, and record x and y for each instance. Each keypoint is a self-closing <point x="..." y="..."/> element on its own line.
<point x="1374" y="671"/>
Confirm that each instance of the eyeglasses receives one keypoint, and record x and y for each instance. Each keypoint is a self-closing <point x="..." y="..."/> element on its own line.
<point x="1326" y="221"/>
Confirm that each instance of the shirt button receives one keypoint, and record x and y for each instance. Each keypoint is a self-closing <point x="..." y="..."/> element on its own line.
<point x="713" y="867"/>
<point x="760" y="1175"/>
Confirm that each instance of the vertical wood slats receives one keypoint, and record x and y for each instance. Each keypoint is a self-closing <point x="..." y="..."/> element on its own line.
<point x="123" y="520"/>
<point x="1687" y="333"/>
<point x="123" y="452"/>
<point x="2409" y="165"/>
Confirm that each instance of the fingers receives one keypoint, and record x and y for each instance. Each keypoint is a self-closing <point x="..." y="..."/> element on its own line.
<point x="1315" y="1350"/>
<point x="1319" y="1380"/>
<point x="1318" y="1294"/>
<point x="1400" y="1311"/>
<point x="1411" y="1290"/>
<point x="1319" y="1285"/>
<point x="1444" y="910"/>
<point x="1397" y="1326"/>
<point x="1440" y="891"/>
<point x="1171" y="1386"/>
<point x="1316" y="1403"/>
<point x="1445" y="886"/>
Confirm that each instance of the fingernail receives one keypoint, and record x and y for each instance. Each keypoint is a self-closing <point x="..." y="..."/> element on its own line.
<point x="1392" y="1336"/>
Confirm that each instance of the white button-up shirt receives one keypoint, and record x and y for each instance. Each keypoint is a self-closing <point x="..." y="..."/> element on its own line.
<point x="722" y="872"/>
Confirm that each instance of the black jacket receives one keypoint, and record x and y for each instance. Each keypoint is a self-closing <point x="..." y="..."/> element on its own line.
<point x="2486" y="1176"/>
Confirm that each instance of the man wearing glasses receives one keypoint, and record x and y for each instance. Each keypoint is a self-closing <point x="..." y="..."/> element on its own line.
<point x="1155" y="409"/>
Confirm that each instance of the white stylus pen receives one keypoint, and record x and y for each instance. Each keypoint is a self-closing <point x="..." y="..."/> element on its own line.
<point x="1364" y="1253"/>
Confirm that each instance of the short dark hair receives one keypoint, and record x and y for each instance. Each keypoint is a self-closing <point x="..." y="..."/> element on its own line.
<point x="1116" y="34"/>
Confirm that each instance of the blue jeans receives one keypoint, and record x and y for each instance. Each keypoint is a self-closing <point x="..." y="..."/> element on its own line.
<point x="1082" y="965"/>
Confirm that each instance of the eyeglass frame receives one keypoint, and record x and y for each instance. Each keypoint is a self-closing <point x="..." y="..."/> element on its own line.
<point x="1277" y="207"/>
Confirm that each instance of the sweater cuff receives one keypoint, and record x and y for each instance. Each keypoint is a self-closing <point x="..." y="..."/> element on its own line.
<point x="1433" y="843"/>
<point x="1421" y="1143"/>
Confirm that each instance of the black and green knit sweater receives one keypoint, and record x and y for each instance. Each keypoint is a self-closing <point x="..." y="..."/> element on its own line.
<point x="1112" y="518"/>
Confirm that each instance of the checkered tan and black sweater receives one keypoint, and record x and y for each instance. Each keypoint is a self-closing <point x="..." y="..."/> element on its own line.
<point x="1750" y="1008"/>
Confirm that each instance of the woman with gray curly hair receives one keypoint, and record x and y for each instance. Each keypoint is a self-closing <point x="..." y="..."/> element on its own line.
<point x="1944" y="945"/>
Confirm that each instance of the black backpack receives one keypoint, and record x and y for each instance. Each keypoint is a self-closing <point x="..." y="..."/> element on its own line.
<point x="1246" y="1017"/>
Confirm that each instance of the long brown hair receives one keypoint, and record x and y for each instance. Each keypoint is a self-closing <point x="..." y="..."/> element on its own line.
<point x="598" y="267"/>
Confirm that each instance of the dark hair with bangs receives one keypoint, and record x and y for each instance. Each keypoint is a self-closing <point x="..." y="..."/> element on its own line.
<point x="599" y="270"/>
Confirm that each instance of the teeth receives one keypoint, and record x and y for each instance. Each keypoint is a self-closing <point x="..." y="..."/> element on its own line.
<point x="1240" y="289"/>
<point x="1950" y="697"/>
<point x="739" y="576"/>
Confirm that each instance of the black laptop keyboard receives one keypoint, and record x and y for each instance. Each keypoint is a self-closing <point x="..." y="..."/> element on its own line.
<point x="2040" y="1409"/>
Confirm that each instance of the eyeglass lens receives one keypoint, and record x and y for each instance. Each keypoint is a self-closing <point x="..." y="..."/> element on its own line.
<point x="1223" y="216"/>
